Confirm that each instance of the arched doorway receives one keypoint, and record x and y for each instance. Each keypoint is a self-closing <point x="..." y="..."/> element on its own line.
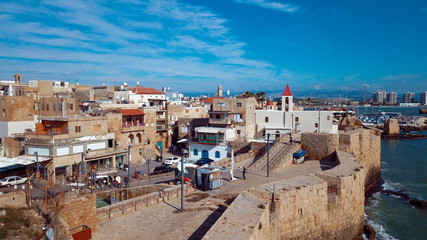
<point x="205" y="154"/>
<point x="139" y="137"/>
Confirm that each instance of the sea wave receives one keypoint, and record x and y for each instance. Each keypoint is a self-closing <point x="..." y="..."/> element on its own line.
<point x="381" y="233"/>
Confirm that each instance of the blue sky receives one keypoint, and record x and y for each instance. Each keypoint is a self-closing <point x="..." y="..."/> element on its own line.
<point x="194" y="45"/>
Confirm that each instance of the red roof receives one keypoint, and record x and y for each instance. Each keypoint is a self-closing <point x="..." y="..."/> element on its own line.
<point x="270" y="103"/>
<point x="287" y="91"/>
<point x="210" y="100"/>
<point x="146" y="90"/>
<point x="131" y="112"/>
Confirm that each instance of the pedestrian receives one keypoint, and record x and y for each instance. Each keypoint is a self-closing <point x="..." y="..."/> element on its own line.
<point x="290" y="139"/>
<point x="126" y="181"/>
<point x="244" y="173"/>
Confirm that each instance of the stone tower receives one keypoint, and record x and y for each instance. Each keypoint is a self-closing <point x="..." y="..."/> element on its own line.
<point x="18" y="78"/>
<point x="287" y="100"/>
<point x="391" y="127"/>
<point x="219" y="91"/>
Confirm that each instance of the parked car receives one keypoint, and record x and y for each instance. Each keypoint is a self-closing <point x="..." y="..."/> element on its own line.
<point x="163" y="169"/>
<point x="203" y="161"/>
<point x="12" y="180"/>
<point x="172" y="160"/>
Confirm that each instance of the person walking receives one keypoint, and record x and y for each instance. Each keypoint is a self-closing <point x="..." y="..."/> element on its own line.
<point x="290" y="139"/>
<point x="244" y="173"/>
<point x="126" y="181"/>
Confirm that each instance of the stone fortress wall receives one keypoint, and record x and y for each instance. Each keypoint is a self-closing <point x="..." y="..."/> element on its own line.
<point x="364" y="144"/>
<point x="325" y="205"/>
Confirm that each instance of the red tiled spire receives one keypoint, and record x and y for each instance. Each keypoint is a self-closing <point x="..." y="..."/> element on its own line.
<point x="287" y="91"/>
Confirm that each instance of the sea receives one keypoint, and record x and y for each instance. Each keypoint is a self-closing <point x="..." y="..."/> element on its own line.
<point x="403" y="167"/>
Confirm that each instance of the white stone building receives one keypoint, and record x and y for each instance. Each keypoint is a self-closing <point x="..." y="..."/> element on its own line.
<point x="286" y="121"/>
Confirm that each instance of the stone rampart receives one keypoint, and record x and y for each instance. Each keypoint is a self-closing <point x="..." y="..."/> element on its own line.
<point x="79" y="210"/>
<point x="327" y="205"/>
<point x="364" y="144"/>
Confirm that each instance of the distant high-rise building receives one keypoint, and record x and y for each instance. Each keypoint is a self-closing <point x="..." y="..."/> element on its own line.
<point x="423" y="98"/>
<point x="408" y="97"/>
<point x="378" y="96"/>
<point x="391" y="98"/>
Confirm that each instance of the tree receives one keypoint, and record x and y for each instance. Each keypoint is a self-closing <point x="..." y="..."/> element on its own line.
<point x="260" y="96"/>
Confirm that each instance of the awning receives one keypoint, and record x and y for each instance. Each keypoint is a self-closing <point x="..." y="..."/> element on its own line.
<point x="208" y="130"/>
<point x="132" y="112"/>
<point x="17" y="162"/>
<point x="184" y="140"/>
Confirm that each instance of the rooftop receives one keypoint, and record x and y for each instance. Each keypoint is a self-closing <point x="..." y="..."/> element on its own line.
<point x="146" y="90"/>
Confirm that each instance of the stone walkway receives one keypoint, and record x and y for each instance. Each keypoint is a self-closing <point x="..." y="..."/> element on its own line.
<point x="162" y="221"/>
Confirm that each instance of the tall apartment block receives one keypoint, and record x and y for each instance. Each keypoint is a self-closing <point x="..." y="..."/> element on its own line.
<point x="423" y="97"/>
<point x="408" y="97"/>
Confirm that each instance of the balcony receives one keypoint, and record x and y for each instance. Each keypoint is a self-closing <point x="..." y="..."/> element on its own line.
<point x="160" y="128"/>
<point x="132" y="124"/>
<point x="219" y="121"/>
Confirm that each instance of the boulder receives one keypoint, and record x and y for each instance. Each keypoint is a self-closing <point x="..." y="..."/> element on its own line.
<point x="419" y="203"/>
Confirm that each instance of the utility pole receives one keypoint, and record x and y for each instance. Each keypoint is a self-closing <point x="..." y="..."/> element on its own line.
<point x="37" y="166"/>
<point x="182" y="180"/>
<point x="364" y="95"/>
<point x="268" y="154"/>
<point x="82" y="169"/>
<point x="318" y="123"/>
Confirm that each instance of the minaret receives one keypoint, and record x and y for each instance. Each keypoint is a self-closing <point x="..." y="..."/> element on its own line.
<point x="287" y="100"/>
<point x="220" y="91"/>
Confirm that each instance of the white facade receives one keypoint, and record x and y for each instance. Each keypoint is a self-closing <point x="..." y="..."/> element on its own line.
<point x="9" y="128"/>
<point x="280" y="122"/>
<point x="213" y="151"/>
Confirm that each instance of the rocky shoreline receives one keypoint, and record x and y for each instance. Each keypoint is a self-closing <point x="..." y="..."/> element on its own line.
<point x="404" y="136"/>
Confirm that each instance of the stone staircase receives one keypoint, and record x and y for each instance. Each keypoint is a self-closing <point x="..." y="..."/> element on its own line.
<point x="280" y="157"/>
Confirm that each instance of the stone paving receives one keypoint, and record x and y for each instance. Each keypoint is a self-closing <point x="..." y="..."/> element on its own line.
<point x="164" y="222"/>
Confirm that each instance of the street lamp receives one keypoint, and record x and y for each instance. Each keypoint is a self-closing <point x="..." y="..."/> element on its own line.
<point x="182" y="179"/>
<point x="129" y="147"/>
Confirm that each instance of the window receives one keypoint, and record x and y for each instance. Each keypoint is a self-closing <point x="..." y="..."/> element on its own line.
<point x="239" y="104"/>
<point x="96" y="127"/>
<point x="4" y="113"/>
<point x="221" y="104"/>
<point x="296" y="119"/>
<point x="54" y="106"/>
<point x="328" y="117"/>
<point x="140" y="152"/>
<point x="60" y="107"/>
<point x="78" y="129"/>
<point x="218" y="116"/>
<point x="217" y="154"/>
<point x="43" y="106"/>
<point x="316" y="125"/>
<point x="71" y="106"/>
<point x="266" y="119"/>
<point x="238" y="132"/>
<point x="47" y="106"/>
<point x="195" y="152"/>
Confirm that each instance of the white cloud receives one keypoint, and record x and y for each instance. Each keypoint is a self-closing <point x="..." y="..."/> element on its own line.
<point x="160" y="42"/>
<point x="288" y="8"/>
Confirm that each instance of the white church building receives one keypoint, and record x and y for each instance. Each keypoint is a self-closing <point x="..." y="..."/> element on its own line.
<point x="286" y="121"/>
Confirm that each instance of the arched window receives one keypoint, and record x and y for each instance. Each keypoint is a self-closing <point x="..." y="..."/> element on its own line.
<point x="217" y="154"/>
<point x="131" y="139"/>
<point x="139" y="137"/>
<point x="277" y="134"/>
<point x="287" y="104"/>
<point x="205" y="154"/>
<point x="195" y="152"/>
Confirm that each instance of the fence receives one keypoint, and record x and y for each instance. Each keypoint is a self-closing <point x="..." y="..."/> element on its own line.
<point x="134" y="204"/>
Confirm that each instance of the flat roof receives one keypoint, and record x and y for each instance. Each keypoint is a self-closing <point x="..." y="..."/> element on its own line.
<point x="21" y="161"/>
<point x="208" y="130"/>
